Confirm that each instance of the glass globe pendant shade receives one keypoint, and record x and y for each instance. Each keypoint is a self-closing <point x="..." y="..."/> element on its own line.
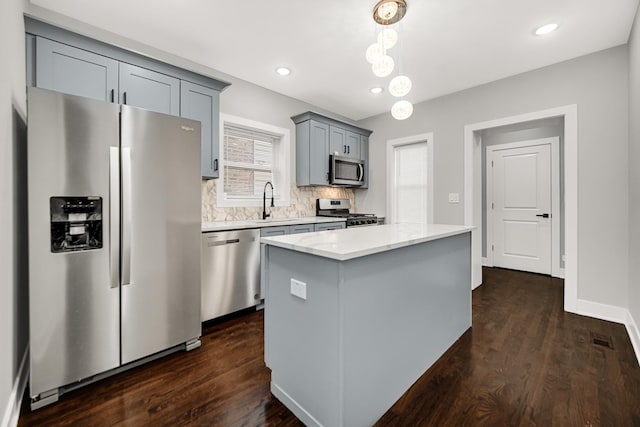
<point x="400" y="86"/>
<point x="387" y="10"/>
<point x="388" y="38"/>
<point x="402" y="110"/>
<point x="375" y="52"/>
<point x="383" y="67"/>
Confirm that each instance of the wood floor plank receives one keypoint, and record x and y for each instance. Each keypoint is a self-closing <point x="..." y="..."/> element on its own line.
<point x="525" y="362"/>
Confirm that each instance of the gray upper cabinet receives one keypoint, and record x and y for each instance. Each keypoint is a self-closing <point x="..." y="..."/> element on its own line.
<point x="312" y="148"/>
<point x="202" y="103"/>
<point x="317" y="137"/>
<point x="63" y="61"/>
<point x="344" y="142"/>
<point x="75" y="71"/>
<point x="148" y="89"/>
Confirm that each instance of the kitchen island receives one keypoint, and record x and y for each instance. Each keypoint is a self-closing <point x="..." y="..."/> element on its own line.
<point x="354" y="317"/>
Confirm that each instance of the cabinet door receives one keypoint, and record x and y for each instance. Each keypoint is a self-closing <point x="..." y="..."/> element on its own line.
<point x="75" y="71"/>
<point x="352" y="142"/>
<point x="274" y="231"/>
<point x="338" y="141"/>
<point x="202" y="103"/>
<point x="330" y="226"/>
<point x="147" y="89"/>
<point x="318" y="153"/>
<point x="364" y="156"/>
<point x="301" y="228"/>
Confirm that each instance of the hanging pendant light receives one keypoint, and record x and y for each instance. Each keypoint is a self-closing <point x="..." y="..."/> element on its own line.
<point x="388" y="38"/>
<point x="383" y="67"/>
<point x="399" y="86"/>
<point x="374" y="53"/>
<point x="402" y="110"/>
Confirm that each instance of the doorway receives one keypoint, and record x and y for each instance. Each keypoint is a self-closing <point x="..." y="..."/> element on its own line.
<point x="410" y="179"/>
<point x="473" y="192"/>
<point x="523" y="206"/>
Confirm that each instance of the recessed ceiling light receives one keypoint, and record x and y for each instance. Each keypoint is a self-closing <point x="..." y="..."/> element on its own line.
<point x="546" y="29"/>
<point x="283" y="71"/>
<point x="376" y="90"/>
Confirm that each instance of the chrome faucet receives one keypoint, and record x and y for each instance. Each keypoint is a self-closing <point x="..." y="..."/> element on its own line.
<point x="266" y="215"/>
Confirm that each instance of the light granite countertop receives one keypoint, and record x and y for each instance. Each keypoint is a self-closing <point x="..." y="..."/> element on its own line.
<point x="261" y="223"/>
<point x="356" y="242"/>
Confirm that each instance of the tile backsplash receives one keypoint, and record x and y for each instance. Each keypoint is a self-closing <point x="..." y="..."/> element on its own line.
<point x="303" y="203"/>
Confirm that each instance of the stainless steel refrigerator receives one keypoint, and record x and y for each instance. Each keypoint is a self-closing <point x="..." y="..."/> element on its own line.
<point x="114" y="239"/>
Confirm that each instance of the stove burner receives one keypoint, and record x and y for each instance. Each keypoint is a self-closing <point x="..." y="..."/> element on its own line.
<point x="339" y="208"/>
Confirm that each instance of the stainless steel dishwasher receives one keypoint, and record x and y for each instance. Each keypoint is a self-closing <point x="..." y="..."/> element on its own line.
<point x="230" y="271"/>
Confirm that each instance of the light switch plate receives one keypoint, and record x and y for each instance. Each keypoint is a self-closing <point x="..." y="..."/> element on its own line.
<point x="454" y="197"/>
<point x="299" y="289"/>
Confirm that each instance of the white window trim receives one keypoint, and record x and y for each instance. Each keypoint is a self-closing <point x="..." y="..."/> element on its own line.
<point x="391" y="145"/>
<point x="281" y="164"/>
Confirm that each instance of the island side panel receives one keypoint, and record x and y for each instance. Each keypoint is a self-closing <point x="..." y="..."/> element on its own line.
<point x="302" y="335"/>
<point x="400" y="310"/>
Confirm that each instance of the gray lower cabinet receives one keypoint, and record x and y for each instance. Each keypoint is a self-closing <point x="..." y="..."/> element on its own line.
<point x="317" y="137"/>
<point x="302" y="228"/>
<point x="274" y="231"/>
<point x="75" y="71"/>
<point x="330" y="226"/>
<point x="201" y="103"/>
<point x="148" y="89"/>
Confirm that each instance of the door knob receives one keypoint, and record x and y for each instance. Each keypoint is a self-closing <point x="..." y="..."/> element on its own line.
<point x="544" y="215"/>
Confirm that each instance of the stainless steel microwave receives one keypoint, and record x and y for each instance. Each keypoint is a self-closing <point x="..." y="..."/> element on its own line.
<point x="346" y="171"/>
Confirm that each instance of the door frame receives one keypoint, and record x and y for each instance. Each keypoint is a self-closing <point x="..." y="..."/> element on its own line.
<point x="391" y="145"/>
<point x="554" y="143"/>
<point x="473" y="192"/>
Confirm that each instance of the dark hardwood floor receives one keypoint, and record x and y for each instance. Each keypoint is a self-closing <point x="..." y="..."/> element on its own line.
<point x="524" y="362"/>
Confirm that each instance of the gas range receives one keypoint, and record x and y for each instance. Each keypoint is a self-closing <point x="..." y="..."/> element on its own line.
<point x="339" y="208"/>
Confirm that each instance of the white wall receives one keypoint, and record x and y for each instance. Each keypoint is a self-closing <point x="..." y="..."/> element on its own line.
<point x="13" y="267"/>
<point x="598" y="84"/>
<point x="634" y="173"/>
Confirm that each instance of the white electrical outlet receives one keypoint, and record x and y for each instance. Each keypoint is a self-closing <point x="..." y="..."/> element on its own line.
<point x="299" y="289"/>
<point x="454" y="198"/>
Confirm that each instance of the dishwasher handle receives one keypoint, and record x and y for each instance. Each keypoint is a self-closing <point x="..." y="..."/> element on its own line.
<point x="222" y="242"/>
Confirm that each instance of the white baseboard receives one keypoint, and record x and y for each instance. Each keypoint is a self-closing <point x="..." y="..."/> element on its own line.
<point x="12" y="411"/>
<point x="634" y="334"/>
<point x="485" y="262"/>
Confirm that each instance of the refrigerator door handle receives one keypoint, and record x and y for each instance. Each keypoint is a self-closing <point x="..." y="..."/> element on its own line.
<point x="126" y="216"/>
<point x="114" y="216"/>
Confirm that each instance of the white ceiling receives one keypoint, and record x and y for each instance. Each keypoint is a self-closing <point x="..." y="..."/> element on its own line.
<point x="446" y="45"/>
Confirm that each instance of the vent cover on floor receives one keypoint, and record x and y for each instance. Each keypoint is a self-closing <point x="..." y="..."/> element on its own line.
<point x="601" y="340"/>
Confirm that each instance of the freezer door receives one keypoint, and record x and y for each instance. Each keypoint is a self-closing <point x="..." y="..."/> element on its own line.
<point x="74" y="297"/>
<point x="161" y="212"/>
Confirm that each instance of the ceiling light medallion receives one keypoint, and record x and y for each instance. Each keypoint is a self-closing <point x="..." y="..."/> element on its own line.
<point x="388" y="12"/>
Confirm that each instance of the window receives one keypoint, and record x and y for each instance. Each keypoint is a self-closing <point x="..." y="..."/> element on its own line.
<point x="252" y="153"/>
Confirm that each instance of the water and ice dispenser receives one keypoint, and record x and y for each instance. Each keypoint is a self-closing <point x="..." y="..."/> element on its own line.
<point x="76" y="223"/>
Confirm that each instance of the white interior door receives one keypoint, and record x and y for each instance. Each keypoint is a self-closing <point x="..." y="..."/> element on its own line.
<point x="521" y="214"/>
<point x="409" y="192"/>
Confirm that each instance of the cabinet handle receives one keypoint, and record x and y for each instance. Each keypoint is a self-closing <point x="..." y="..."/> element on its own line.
<point x="348" y="149"/>
<point x="124" y="98"/>
<point x="215" y="165"/>
<point x="112" y="95"/>
<point x="344" y="149"/>
<point x="327" y="176"/>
